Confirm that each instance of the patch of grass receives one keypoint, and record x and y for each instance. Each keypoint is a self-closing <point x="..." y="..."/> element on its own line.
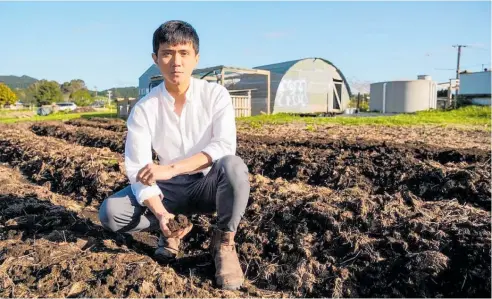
<point x="110" y="162"/>
<point x="9" y="111"/>
<point x="59" y="116"/>
<point x="467" y="116"/>
<point x="100" y="114"/>
<point x="311" y="128"/>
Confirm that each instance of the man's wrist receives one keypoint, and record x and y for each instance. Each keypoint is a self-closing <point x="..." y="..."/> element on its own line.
<point x="173" y="169"/>
<point x="162" y="215"/>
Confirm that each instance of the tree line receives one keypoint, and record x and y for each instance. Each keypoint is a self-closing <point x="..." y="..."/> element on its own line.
<point x="45" y="92"/>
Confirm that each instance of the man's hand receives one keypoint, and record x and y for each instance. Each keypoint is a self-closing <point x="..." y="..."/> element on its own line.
<point x="163" y="216"/>
<point x="163" y="221"/>
<point x="152" y="173"/>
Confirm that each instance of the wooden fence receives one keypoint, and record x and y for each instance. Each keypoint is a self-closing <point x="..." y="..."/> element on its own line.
<point x="241" y="104"/>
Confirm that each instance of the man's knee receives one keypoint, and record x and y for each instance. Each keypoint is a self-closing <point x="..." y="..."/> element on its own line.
<point x="107" y="214"/>
<point x="233" y="167"/>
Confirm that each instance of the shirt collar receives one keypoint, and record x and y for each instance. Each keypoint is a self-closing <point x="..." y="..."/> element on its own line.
<point x="169" y="97"/>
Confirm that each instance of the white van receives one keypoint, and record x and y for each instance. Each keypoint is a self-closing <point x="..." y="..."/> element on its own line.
<point x="66" y="106"/>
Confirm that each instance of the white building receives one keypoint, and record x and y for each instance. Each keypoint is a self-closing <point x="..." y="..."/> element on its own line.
<point x="476" y="87"/>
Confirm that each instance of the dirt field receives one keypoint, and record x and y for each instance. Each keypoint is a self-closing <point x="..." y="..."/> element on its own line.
<point x="333" y="212"/>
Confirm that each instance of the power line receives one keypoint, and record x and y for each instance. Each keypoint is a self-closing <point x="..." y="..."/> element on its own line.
<point x="478" y="48"/>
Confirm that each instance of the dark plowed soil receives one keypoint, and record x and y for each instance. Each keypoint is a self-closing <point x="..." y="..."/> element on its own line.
<point x="86" y="173"/>
<point x="465" y="137"/>
<point x="295" y="239"/>
<point x="376" y="167"/>
<point x="86" y="136"/>
<point x="112" y="126"/>
<point x="441" y="154"/>
<point x="115" y="121"/>
<point x="352" y="219"/>
<point x="47" y="250"/>
<point x="323" y="243"/>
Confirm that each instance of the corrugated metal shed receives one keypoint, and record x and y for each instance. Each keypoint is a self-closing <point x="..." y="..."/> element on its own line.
<point x="283" y="67"/>
<point x="144" y="80"/>
<point x="306" y="85"/>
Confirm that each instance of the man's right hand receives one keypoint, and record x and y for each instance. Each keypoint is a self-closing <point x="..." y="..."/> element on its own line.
<point x="163" y="221"/>
<point x="163" y="216"/>
<point x="160" y="212"/>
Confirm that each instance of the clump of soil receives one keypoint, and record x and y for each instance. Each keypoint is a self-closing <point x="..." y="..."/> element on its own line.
<point x="178" y="223"/>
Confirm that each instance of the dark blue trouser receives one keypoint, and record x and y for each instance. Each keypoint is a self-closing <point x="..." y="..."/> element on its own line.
<point x="225" y="190"/>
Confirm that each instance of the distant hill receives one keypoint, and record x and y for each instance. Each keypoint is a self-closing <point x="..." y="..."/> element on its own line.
<point x="17" y="82"/>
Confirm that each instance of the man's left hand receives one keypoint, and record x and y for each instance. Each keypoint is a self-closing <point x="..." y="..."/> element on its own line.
<point x="152" y="173"/>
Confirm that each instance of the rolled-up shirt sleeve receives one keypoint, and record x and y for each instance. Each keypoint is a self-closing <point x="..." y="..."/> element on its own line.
<point x="138" y="153"/>
<point x="223" y="140"/>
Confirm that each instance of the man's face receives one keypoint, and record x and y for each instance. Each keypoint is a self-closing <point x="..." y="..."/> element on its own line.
<point x="176" y="62"/>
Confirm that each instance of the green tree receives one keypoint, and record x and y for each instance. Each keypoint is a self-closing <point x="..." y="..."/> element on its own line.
<point x="82" y="97"/>
<point x="29" y="93"/>
<point x="7" y="96"/>
<point x="77" y="84"/>
<point x="72" y="86"/>
<point x="20" y="93"/>
<point x="116" y="94"/>
<point x="47" y="92"/>
<point x="66" y="88"/>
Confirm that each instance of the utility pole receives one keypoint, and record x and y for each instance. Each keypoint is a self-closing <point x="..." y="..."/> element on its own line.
<point x="95" y="88"/>
<point x="459" y="58"/>
<point x="458" y="71"/>
<point x="109" y="96"/>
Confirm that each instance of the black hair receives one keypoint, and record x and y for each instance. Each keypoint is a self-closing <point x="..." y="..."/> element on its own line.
<point x="175" y="32"/>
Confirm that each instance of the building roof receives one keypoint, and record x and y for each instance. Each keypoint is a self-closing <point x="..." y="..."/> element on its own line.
<point x="283" y="67"/>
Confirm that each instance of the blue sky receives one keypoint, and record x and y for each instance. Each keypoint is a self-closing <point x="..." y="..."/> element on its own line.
<point x="109" y="44"/>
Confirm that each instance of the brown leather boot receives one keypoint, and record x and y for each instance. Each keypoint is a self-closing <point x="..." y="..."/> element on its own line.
<point x="167" y="248"/>
<point x="228" y="272"/>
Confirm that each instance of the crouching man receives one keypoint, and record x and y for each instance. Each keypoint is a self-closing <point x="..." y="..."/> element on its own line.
<point x="190" y="124"/>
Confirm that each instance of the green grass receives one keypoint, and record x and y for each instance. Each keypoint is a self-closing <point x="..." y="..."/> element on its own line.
<point x="467" y="116"/>
<point x="8" y="111"/>
<point x="60" y="116"/>
<point x="471" y="116"/>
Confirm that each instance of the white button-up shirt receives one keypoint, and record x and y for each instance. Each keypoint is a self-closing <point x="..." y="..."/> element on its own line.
<point x="207" y="124"/>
